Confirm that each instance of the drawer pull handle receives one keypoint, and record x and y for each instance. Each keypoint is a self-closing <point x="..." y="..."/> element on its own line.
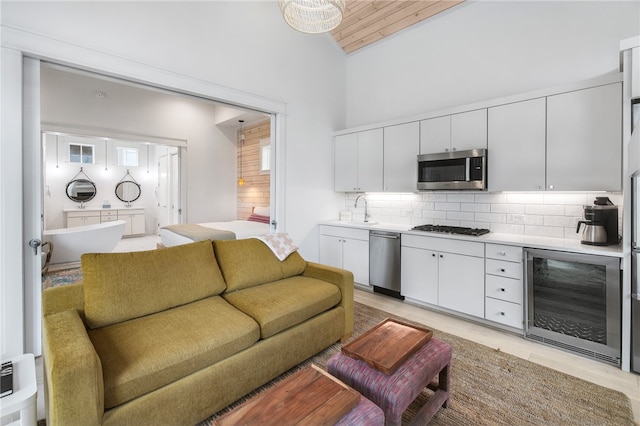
<point x="502" y="270"/>
<point x="502" y="313"/>
<point x="503" y="253"/>
<point x="502" y="289"/>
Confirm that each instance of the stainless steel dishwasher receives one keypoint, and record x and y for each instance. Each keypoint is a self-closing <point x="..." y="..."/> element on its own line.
<point x="384" y="262"/>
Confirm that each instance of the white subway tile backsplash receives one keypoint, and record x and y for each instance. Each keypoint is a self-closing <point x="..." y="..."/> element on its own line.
<point x="448" y="206"/>
<point x="550" y="214"/>
<point x="461" y="216"/>
<point x="544" y="209"/>
<point x="507" y="208"/>
<point x="475" y="207"/>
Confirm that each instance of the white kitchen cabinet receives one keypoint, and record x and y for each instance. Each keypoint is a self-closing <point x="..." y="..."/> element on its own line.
<point x="419" y="274"/>
<point x="584" y="139"/>
<point x="401" y="148"/>
<point x="517" y="146"/>
<point x="135" y="219"/>
<point x="445" y="272"/>
<point x="504" y="288"/>
<point x="346" y="248"/>
<point x="461" y="283"/>
<point x="81" y="218"/>
<point x="469" y="130"/>
<point x="358" y="161"/>
<point x="435" y="135"/>
<point x="456" y="132"/>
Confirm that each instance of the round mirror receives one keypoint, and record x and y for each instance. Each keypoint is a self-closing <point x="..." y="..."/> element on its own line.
<point x="128" y="191"/>
<point x="81" y="190"/>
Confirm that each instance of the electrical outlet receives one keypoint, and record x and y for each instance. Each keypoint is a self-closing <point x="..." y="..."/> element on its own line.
<point x="517" y="219"/>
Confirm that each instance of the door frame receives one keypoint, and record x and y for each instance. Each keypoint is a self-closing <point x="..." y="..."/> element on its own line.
<point x="17" y="44"/>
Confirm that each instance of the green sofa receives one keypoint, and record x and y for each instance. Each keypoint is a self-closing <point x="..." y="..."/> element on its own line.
<point x="171" y="336"/>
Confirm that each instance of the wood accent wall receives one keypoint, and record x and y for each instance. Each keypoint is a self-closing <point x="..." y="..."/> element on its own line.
<point x="256" y="191"/>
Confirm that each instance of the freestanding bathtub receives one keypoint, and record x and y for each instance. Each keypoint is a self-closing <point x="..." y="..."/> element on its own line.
<point x="70" y="243"/>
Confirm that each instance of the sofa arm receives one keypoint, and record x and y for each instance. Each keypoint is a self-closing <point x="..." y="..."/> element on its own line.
<point x="62" y="298"/>
<point x="344" y="280"/>
<point x="73" y="372"/>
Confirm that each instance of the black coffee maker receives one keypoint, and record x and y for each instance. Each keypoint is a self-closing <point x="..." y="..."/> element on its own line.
<point x="600" y="224"/>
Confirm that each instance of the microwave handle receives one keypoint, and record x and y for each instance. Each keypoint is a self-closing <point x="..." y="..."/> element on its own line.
<point x="467" y="169"/>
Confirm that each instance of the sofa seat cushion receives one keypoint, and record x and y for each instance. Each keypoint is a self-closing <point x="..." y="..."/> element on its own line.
<point x="122" y="286"/>
<point x="144" y="354"/>
<point x="282" y="304"/>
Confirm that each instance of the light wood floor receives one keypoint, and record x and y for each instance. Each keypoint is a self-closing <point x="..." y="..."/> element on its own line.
<point x="592" y="371"/>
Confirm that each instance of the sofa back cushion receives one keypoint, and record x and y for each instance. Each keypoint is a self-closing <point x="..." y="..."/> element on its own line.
<point x="123" y="286"/>
<point x="249" y="262"/>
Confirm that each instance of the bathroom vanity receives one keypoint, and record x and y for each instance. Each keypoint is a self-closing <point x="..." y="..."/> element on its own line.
<point x="135" y="218"/>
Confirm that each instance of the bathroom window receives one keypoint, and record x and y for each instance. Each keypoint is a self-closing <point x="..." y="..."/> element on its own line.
<point x="127" y="156"/>
<point x="80" y="153"/>
<point x="265" y="156"/>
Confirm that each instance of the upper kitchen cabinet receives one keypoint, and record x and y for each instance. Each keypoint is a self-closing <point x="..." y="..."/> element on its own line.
<point x="457" y="132"/>
<point x="359" y="161"/>
<point x="516" y="146"/>
<point x="401" y="145"/>
<point x="584" y="140"/>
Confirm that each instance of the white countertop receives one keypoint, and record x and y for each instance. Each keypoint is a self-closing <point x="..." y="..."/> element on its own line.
<point x="99" y="209"/>
<point x="548" y="243"/>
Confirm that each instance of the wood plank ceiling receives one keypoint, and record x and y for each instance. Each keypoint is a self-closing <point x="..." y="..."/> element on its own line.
<point x="367" y="21"/>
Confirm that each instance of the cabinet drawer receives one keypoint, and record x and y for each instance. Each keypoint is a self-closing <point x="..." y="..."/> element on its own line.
<point x="504" y="269"/>
<point x="108" y="218"/>
<point x="506" y="313"/>
<point x="109" y="213"/>
<point x="504" y="252"/>
<point x="449" y="245"/>
<point x="83" y="214"/>
<point x="340" y="231"/>
<point x="507" y="289"/>
<point x="130" y="212"/>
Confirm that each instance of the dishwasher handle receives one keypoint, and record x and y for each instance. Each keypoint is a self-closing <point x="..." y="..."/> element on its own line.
<point x="391" y="237"/>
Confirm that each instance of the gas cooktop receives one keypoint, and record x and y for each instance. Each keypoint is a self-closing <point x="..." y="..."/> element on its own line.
<point x="451" y="230"/>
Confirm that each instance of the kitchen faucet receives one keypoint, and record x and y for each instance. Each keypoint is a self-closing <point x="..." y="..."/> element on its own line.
<point x="366" y="212"/>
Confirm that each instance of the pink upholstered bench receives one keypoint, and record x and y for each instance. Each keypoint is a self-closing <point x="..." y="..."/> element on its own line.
<point x="366" y="413"/>
<point x="394" y="393"/>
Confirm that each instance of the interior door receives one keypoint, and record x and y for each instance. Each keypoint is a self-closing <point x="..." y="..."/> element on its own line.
<point x="32" y="205"/>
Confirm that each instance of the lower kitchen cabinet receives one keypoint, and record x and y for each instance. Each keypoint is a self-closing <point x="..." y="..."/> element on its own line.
<point x="504" y="290"/>
<point x="461" y="283"/>
<point x="419" y="274"/>
<point x="346" y="248"/>
<point x="444" y="272"/>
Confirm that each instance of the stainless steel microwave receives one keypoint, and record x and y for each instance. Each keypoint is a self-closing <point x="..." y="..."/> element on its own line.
<point x="453" y="170"/>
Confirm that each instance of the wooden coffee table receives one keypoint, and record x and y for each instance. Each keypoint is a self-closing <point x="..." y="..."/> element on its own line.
<point x="309" y="397"/>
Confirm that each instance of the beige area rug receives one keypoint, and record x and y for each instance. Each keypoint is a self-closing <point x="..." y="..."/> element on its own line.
<point x="489" y="387"/>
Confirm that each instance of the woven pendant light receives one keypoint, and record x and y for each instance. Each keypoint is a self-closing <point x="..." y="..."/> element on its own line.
<point x="312" y="16"/>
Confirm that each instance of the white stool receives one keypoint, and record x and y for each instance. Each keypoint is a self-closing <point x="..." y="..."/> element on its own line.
<point x="25" y="389"/>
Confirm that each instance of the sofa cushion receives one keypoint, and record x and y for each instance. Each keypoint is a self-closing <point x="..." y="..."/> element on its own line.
<point x="249" y="262"/>
<point x="144" y="354"/>
<point x="282" y="304"/>
<point x="122" y="286"/>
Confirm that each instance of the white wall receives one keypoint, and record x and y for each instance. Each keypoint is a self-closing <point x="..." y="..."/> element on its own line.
<point x="241" y="45"/>
<point x="483" y="50"/>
